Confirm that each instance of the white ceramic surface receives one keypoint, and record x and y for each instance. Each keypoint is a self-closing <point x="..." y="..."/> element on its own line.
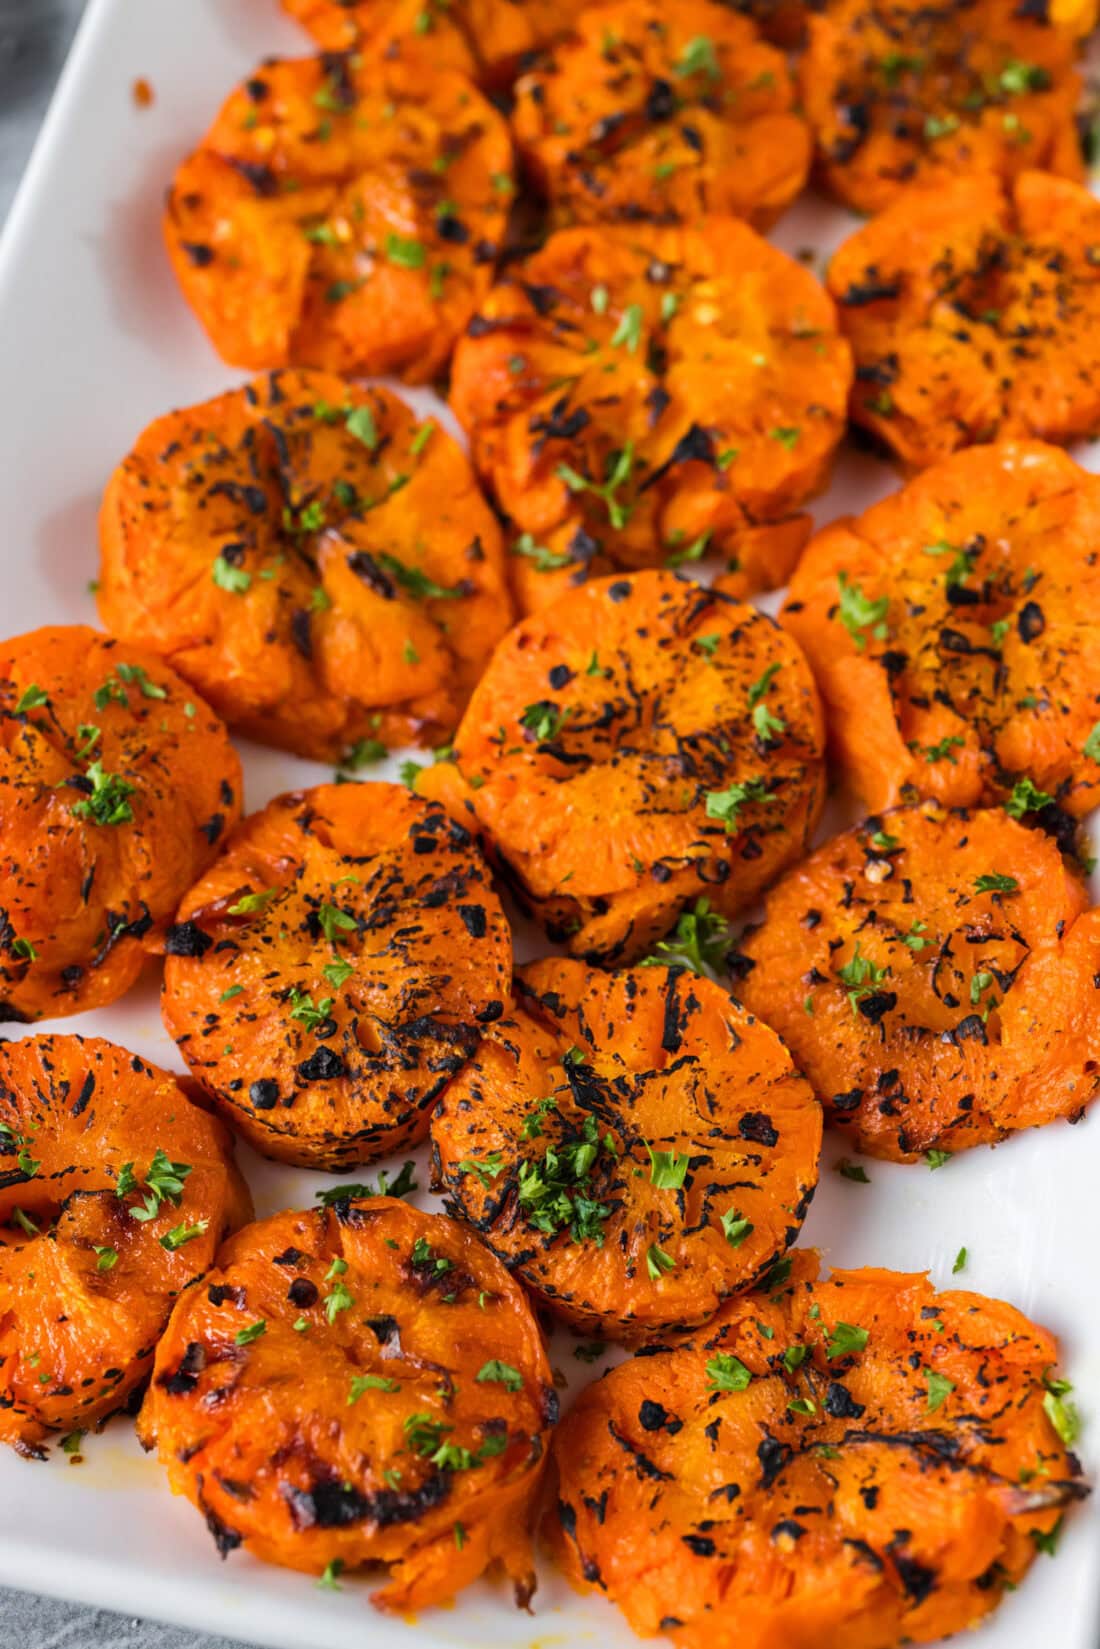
<point x="94" y="342"/>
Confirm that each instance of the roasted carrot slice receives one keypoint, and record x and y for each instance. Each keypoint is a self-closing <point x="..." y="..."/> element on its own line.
<point x="423" y="1381"/>
<point x="903" y="91"/>
<point x="647" y="112"/>
<point x="954" y="630"/>
<point x="653" y="396"/>
<point x="484" y="38"/>
<point x="843" y="1464"/>
<point x="320" y="564"/>
<point x="973" y="310"/>
<point x="638" y="744"/>
<point x="633" y="1145"/>
<point x="116" y="782"/>
<point x="342" y="213"/>
<point x="330" y="973"/>
<point x="115" y="1193"/>
<point x="934" y="974"/>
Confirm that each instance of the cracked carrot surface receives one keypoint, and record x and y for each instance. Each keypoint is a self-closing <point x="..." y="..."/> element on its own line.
<point x="640" y="743"/>
<point x="653" y="395"/>
<point x="359" y="1384"/>
<point x="332" y="971"/>
<point x="954" y="630"/>
<point x="633" y="1145"/>
<point x="845" y="1464"/>
<point x="342" y="213"/>
<point x="935" y="975"/>
<point x="647" y="112"/>
<point x="116" y="784"/>
<point x="318" y="561"/>
<point x="973" y="311"/>
<point x="904" y="92"/>
<point x="115" y="1193"/>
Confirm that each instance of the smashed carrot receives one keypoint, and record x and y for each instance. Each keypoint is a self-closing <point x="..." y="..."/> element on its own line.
<point x="319" y="563"/>
<point x="647" y="112"/>
<point x="640" y="743"/>
<point x="488" y="39"/>
<point x="115" y="1192"/>
<point x="331" y="972"/>
<point x="935" y="975"/>
<point x="116" y="784"/>
<point x="903" y="91"/>
<point x="973" y="311"/>
<point x="342" y="213"/>
<point x="633" y="1145"/>
<point x="846" y="1464"/>
<point x="362" y="1384"/>
<point x="954" y="629"/>
<point x="653" y="396"/>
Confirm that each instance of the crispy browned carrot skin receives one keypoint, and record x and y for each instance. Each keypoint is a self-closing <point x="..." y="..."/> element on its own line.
<point x="935" y="975"/>
<point x="903" y="91"/>
<point x="641" y="742"/>
<point x="654" y="395"/>
<point x="116" y="783"/>
<point x="973" y="310"/>
<point x="487" y="39"/>
<point x="331" y="972"/>
<point x="633" y="1145"/>
<point x="850" y="1464"/>
<point x="115" y="1192"/>
<point x="320" y="564"/>
<point x="954" y="630"/>
<point x="647" y="112"/>
<point x="342" y="213"/>
<point x="357" y="1385"/>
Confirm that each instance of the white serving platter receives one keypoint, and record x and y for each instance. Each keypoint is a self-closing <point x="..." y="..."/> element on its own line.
<point x="94" y="342"/>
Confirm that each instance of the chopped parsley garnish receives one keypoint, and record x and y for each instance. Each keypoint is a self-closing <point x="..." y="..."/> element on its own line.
<point x="761" y="684"/>
<point x="787" y="437"/>
<point x="109" y="800"/>
<point x="32" y="698"/>
<point x="105" y="1258"/>
<point x="401" y="1187"/>
<point x="699" y="57"/>
<point x="245" y="1336"/>
<point x="699" y="941"/>
<point x="619" y="467"/>
<point x="181" y="1234"/>
<point x="338" y="972"/>
<point x="329" y="1580"/>
<point x="425" y="1257"/>
<point x="861" y="976"/>
<point x="846" y="1339"/>
<point x="405" y="252"/>
<point x="939" y="1390"/>
<point x="252" y="901"/>
<point x="861" y="616"/>
<point x="24" y="950"/>
<point x="727" y="1373"/>
<point x="726" y="805"/>
<point x="937" y="1159"/>
<point x="552" y="1191"/>
<point x="227" y="577"/>
<point x="338" y="1297"/>
<point x="1091" y="746"/>
<point x="914" y="939"/>
<point x="960" y="1262"/>
<point x="1062" y="1415"/>
<point x="629" y="329"/>
<point x="735" y="1227"/>
<point x="415" y="582"/>
<point x="306" y="1011"/>
<point x="494" y="1372"/>
<point x="485" y="1170"/>
<point x="995" y="883"/>
<point x="544" y="720"/>
<point x="854" y="1171"/>
<point x="657" y="1262"/>
<point x="794" y="1357"/>
<point x="332" y="920"/>
<point x="1026" y="798"/>
<point x="546" y="561"/>
<point x="370" y="1382"/>
<point x="667" y="1168"/>
<point x="163" y="1182"/>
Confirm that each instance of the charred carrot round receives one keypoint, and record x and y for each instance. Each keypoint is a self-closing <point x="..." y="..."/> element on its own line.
<point x="319" y="563"/>
<point x="485" y="38"/>
<point x="934" y="974"/>
<point x="641" y="743"/>
<point x="115" y="1192"/>
<point x="342" y="213"/>
<point x="359" y="1384"/>
<point x="903" y="91"/>
<point x="116" y="783"/>
<point x="331" y="972"/>
<point x="659" y="113"/>
<point x="653" y="396"/>
<point x="633" y="1145"/>
<point x="954" y="630"/>
<point x="973" y="311"/>
<point x="858" y="1462"/>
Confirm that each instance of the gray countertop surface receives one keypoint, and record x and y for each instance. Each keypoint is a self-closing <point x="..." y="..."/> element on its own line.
<point x="34" y="37"/>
